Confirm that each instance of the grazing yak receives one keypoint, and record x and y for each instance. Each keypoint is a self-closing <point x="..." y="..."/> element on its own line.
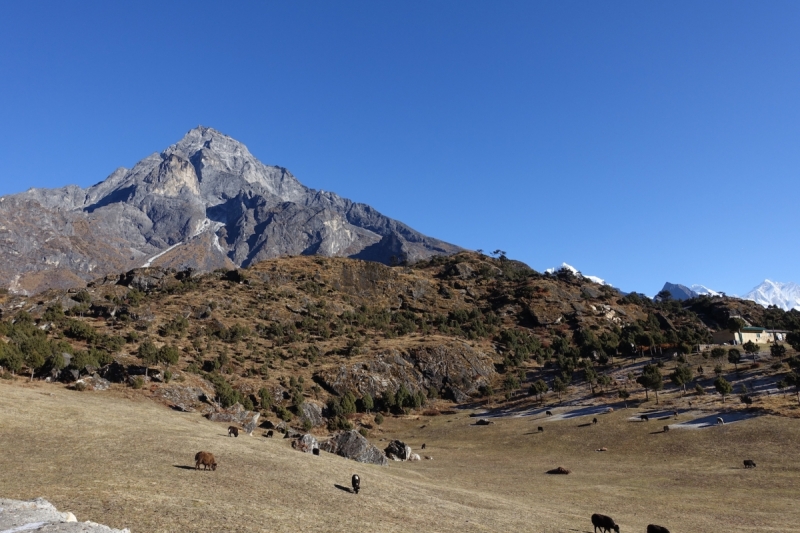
<point x="206" y="459"/>
<point x="749" y="463"/>
<point x="604" y="522"/>
<point x="356" y="481"/>
<point x="720" y="421"/>
<point x="652" y="528"/>
<point x="233" y="431"/>
<point x="541" y="429"/>
<point x="666" y="428"/>
<point x="644" y="418"/>
<point x="594" y="421"/>
<point x="422" y="447"/>
<point x="270" y="433"/>
<point x="675" y="414"/>
<point x="548" y="413"/>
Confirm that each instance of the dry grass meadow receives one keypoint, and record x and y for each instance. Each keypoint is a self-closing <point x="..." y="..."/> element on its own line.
<point x="118" y="458"/>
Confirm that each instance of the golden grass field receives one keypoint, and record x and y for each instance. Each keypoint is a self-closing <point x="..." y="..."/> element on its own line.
<point x="118" y="458"/>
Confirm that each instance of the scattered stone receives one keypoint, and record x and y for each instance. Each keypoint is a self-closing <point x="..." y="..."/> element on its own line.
<point x="483" y="422"/>
<point x="428" y="458"/>
<point x="185" y="399"/>
<point x="414" y="457"/>
<point x="559" y="470"/>
<point x="603" y="449"/>
<point x="352" y="445"/>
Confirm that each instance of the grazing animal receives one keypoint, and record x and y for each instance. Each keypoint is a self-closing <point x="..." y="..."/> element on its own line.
<point x="604" y="522"/>
<point x="541" y="429"/>
<point x="549" y="413"/>
<point x="747" y="400"/>
<point x="270" y="433"/>
<point x="233" y="431"/>
<point x="699" y="369"/>
<point x="594" y="421"/>
<point x="749" y="463"/>
<point x="423" y="446"/>
<point x="652" y="528"/>
<point x="666" y="428"/>
<point x="356" y="481"/>
<point x="675" y="413"/>
<point x="315" y="451"/>
<point x="206" y="459"/>
<point x="644" y="418"/>
<point x="720" y="421"/>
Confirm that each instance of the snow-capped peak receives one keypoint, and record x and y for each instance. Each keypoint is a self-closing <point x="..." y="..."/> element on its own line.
<point x="575" y="271"/>
<point x="784" y="295"/>
<point x="703" y="290"/>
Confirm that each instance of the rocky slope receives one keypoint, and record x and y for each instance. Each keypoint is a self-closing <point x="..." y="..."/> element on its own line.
<point x="203" y="203"/>
<point x="293" y="333"/>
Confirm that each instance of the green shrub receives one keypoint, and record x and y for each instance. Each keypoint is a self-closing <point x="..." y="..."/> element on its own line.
<point x="699" y="389"/>
<point x="138" y="382"/>
<point x="167" y="376"/>
<point x="307" y="425"/>
<point x="283" y="413"/>
<point x="379" y="419"/>
<point x="364" y="433"/>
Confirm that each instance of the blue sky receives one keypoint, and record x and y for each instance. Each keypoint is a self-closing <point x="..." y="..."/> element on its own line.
<point x="642" y="142"/>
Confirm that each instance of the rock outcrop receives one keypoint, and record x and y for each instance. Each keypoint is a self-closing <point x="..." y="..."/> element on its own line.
<point x="455" y="369"/>
<point x="352" y="445"/>
<point x="238" y="415"/>
<point x="205" y="203"/>
<point x="41" y="515"/>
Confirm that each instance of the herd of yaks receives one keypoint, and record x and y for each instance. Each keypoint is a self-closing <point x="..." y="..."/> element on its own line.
<point x="605" y="523"/>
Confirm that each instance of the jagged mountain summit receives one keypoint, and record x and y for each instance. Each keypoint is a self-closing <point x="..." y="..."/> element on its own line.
<point x="783" y="295"/>
<point x="205" y="202"/>
<point x="682" y="292"/>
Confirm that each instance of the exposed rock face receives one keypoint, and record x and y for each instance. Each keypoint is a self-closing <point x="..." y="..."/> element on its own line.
<point x="205" y="203"/>
<point x="41" y="515"/>
<point x="313" y="413"/>
<point x="352" y="445"/>
<point x="455" y="369"/>
<point x="93" y="382"/>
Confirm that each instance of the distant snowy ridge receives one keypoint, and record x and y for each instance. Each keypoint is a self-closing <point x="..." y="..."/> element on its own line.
<point x="575" y="271"/>
<point x="784" y="295"/>
<point x="702" y="290"/>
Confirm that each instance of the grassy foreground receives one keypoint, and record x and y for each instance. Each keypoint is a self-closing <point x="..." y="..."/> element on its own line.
<point x="117" y="458"/>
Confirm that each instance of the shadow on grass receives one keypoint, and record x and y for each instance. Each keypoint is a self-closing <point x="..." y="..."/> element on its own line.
<point x="184" y="467"/>
<point x="341" y="487"/>
<point x="586" y="425"/>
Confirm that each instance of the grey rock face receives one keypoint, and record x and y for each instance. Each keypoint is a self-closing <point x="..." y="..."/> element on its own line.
<point x="306" y="444"/>
<point x="41" y="515"/>
<point x="313" y="413"/>
<point x="352" y="445"/>
<point x="454" y="369"/>
<point x="236" y="414"/>
<point x="203" y="203"/>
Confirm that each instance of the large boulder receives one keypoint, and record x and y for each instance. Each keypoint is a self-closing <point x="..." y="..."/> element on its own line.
<point x="398" y="450"/>
<point x="93" y="382"/>
<point x="113" y="372"/>
<point x="352" y="445"/>
<point x="237" y="415"/>
<point x="181" y="398"/>
<point x="305" y="444"/>
<point x="41" y="515"/>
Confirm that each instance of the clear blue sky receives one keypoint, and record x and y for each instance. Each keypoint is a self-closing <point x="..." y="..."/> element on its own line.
<point x="642" y="142"/>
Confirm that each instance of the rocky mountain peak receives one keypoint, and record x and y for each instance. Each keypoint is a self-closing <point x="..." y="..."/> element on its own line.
<point x="205" y="202"/>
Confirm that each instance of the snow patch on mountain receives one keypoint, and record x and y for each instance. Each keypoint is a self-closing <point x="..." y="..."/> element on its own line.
<point x="575" y="271"/>
<point x="703" y="290"/>
<point x="784" y="295"/>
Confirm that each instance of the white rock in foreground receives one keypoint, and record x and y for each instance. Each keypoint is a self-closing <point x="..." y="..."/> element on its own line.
<point x="40" y="515"/>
